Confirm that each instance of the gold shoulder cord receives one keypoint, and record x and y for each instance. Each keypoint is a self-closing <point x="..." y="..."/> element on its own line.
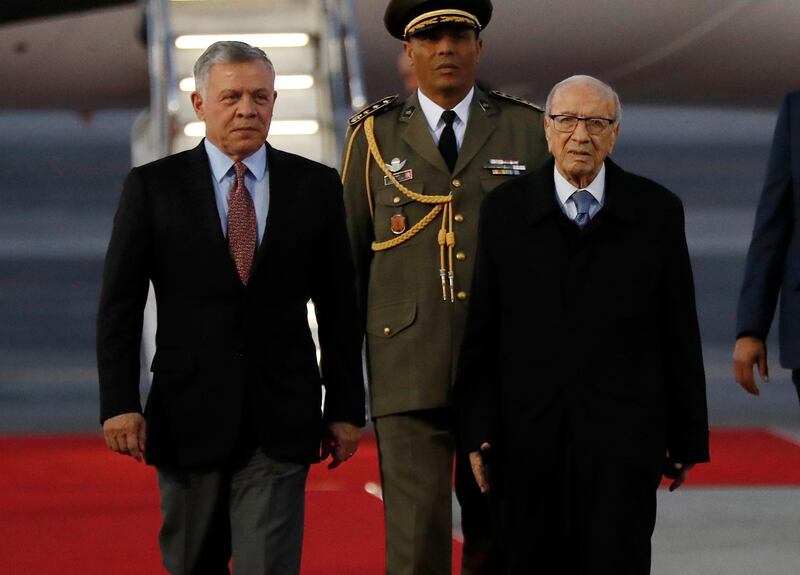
<point x="349" y="149"/>
<point x="446" y="237"/>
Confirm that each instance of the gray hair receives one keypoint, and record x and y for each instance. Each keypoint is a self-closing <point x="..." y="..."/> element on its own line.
<point x="225" y="52"/>
<point x="583" y="79"/>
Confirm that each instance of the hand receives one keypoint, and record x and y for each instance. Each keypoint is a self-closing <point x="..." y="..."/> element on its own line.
<point x="677" y="472"/>
<point x="750" y="351"/>
<point x="340" y="441"/>
<point x="479" y="468"/>
<point x="126" y="434"/>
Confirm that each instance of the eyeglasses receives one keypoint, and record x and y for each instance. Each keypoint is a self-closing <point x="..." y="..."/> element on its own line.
<point x="566" y="123"/>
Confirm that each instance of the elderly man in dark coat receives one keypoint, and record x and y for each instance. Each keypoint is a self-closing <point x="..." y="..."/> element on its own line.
<point x="581" y="375"/>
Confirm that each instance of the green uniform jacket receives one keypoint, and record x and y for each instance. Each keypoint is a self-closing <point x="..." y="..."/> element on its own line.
<point x="413" y="336"/>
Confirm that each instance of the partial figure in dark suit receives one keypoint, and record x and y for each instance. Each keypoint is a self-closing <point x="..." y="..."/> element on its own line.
<point x="236" y="237"/>
<point x="773" y="260"/>
<point x="581" y="369"/>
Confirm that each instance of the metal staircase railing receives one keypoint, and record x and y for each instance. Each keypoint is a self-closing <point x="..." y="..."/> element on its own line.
<point x="313" y="44"/>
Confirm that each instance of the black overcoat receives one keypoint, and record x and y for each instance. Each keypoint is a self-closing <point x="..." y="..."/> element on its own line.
<point x="598" y="326"/>
<point x="581" y="365"/>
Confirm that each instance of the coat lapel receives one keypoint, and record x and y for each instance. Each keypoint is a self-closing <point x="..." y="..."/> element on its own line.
<point x="480" y="125"/>
<point x="616" y="204"/>
<point x="543" y="202"/>
<point x="417" y="135"/>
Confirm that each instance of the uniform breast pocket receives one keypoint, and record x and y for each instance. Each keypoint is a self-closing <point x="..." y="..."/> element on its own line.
<point x="396" y="213"/>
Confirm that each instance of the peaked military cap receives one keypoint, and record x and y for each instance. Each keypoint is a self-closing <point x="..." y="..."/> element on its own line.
<point x="405" y="18"/>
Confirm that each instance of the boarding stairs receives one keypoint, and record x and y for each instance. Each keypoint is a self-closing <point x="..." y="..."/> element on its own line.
<point x="312" y="44"/>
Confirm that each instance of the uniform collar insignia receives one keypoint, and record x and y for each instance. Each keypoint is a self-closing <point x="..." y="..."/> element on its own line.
<point x="407" y="113"/>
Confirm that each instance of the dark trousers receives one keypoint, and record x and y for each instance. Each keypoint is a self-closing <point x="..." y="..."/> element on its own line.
<point x="250" y="510"/>
<point x="589" y="516"/>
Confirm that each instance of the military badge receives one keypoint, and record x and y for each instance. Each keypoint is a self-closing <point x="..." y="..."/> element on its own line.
<point x="505" y="167"/>
<point x="395" y="166"/>
<point x="398" y="224"/>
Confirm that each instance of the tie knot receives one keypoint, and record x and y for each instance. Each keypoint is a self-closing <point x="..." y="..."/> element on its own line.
<point x="448" y="116"/>
<point x="583" y="201"/>
<point x="240" y="170"/>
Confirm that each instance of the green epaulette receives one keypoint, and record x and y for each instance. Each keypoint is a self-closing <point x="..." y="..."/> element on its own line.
<point x="510" y="98"/>
<point x="373" y="108"/>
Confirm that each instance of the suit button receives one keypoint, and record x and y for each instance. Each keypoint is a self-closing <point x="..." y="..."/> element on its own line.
<point x="462" y="296"/>
<point x="459" y="218"/>
<point x="461" y="256"/>
<point x="387" y="330"/>
<point x="456" y="183"/>
<point x="396" y="199"/>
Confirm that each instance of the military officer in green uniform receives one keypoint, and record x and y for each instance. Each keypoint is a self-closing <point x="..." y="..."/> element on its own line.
<point x="415" y="172"/>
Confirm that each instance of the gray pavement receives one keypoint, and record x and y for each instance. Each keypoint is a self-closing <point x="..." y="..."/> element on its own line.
<point x="727" y="532"/>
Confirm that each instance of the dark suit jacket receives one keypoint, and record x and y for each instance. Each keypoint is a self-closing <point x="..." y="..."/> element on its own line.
<point x="773" y="260"/>
<point x="590" y="334"/>
<point x="233" y="364"/>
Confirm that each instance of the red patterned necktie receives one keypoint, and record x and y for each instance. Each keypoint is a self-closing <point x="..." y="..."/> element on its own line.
<point x="242" y="227"/>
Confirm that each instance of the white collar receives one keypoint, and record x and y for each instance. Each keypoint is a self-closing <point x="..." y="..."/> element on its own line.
<point x="597" y="187"/>
<point x="433" y="111"/>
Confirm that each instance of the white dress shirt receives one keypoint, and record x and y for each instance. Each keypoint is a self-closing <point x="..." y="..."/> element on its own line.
<point x="564" y="190"/>
<point x="433" y="116"/>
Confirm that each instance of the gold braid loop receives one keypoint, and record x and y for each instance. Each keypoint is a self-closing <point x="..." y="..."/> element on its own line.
<point x="415" y="229"/>
<point x="369" y="131"/>
<point x="347" y="154"/>
<point x="446" y="237"/>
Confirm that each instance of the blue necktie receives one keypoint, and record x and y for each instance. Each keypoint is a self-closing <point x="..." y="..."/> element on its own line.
<point x="583" y="201"/>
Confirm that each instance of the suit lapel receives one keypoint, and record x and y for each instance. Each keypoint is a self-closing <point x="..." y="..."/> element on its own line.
<point x="417" y="135"/>
<point x="279" y="188"/>
<point x="202" y="208"/>
<point x="204" y="202"/>
<point x="480" y="126"/>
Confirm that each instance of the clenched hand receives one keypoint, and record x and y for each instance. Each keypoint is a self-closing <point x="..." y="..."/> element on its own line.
<point x="126" y="434"/>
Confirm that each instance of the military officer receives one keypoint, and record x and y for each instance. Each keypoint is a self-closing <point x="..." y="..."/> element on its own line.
<point x="414" y="173"/>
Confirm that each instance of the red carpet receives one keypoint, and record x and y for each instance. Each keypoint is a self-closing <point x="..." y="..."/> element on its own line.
<point x="748" y="458"/>
<point x="69" y="506"/>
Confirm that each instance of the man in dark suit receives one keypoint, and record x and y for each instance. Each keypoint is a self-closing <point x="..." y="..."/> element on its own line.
<point x="581" y="371"/>
<point x="773" y="261"/>
<point x="236" y="237"/>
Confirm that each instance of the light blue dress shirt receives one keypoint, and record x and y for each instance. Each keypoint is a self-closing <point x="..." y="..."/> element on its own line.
<point x="256" y="180"/>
